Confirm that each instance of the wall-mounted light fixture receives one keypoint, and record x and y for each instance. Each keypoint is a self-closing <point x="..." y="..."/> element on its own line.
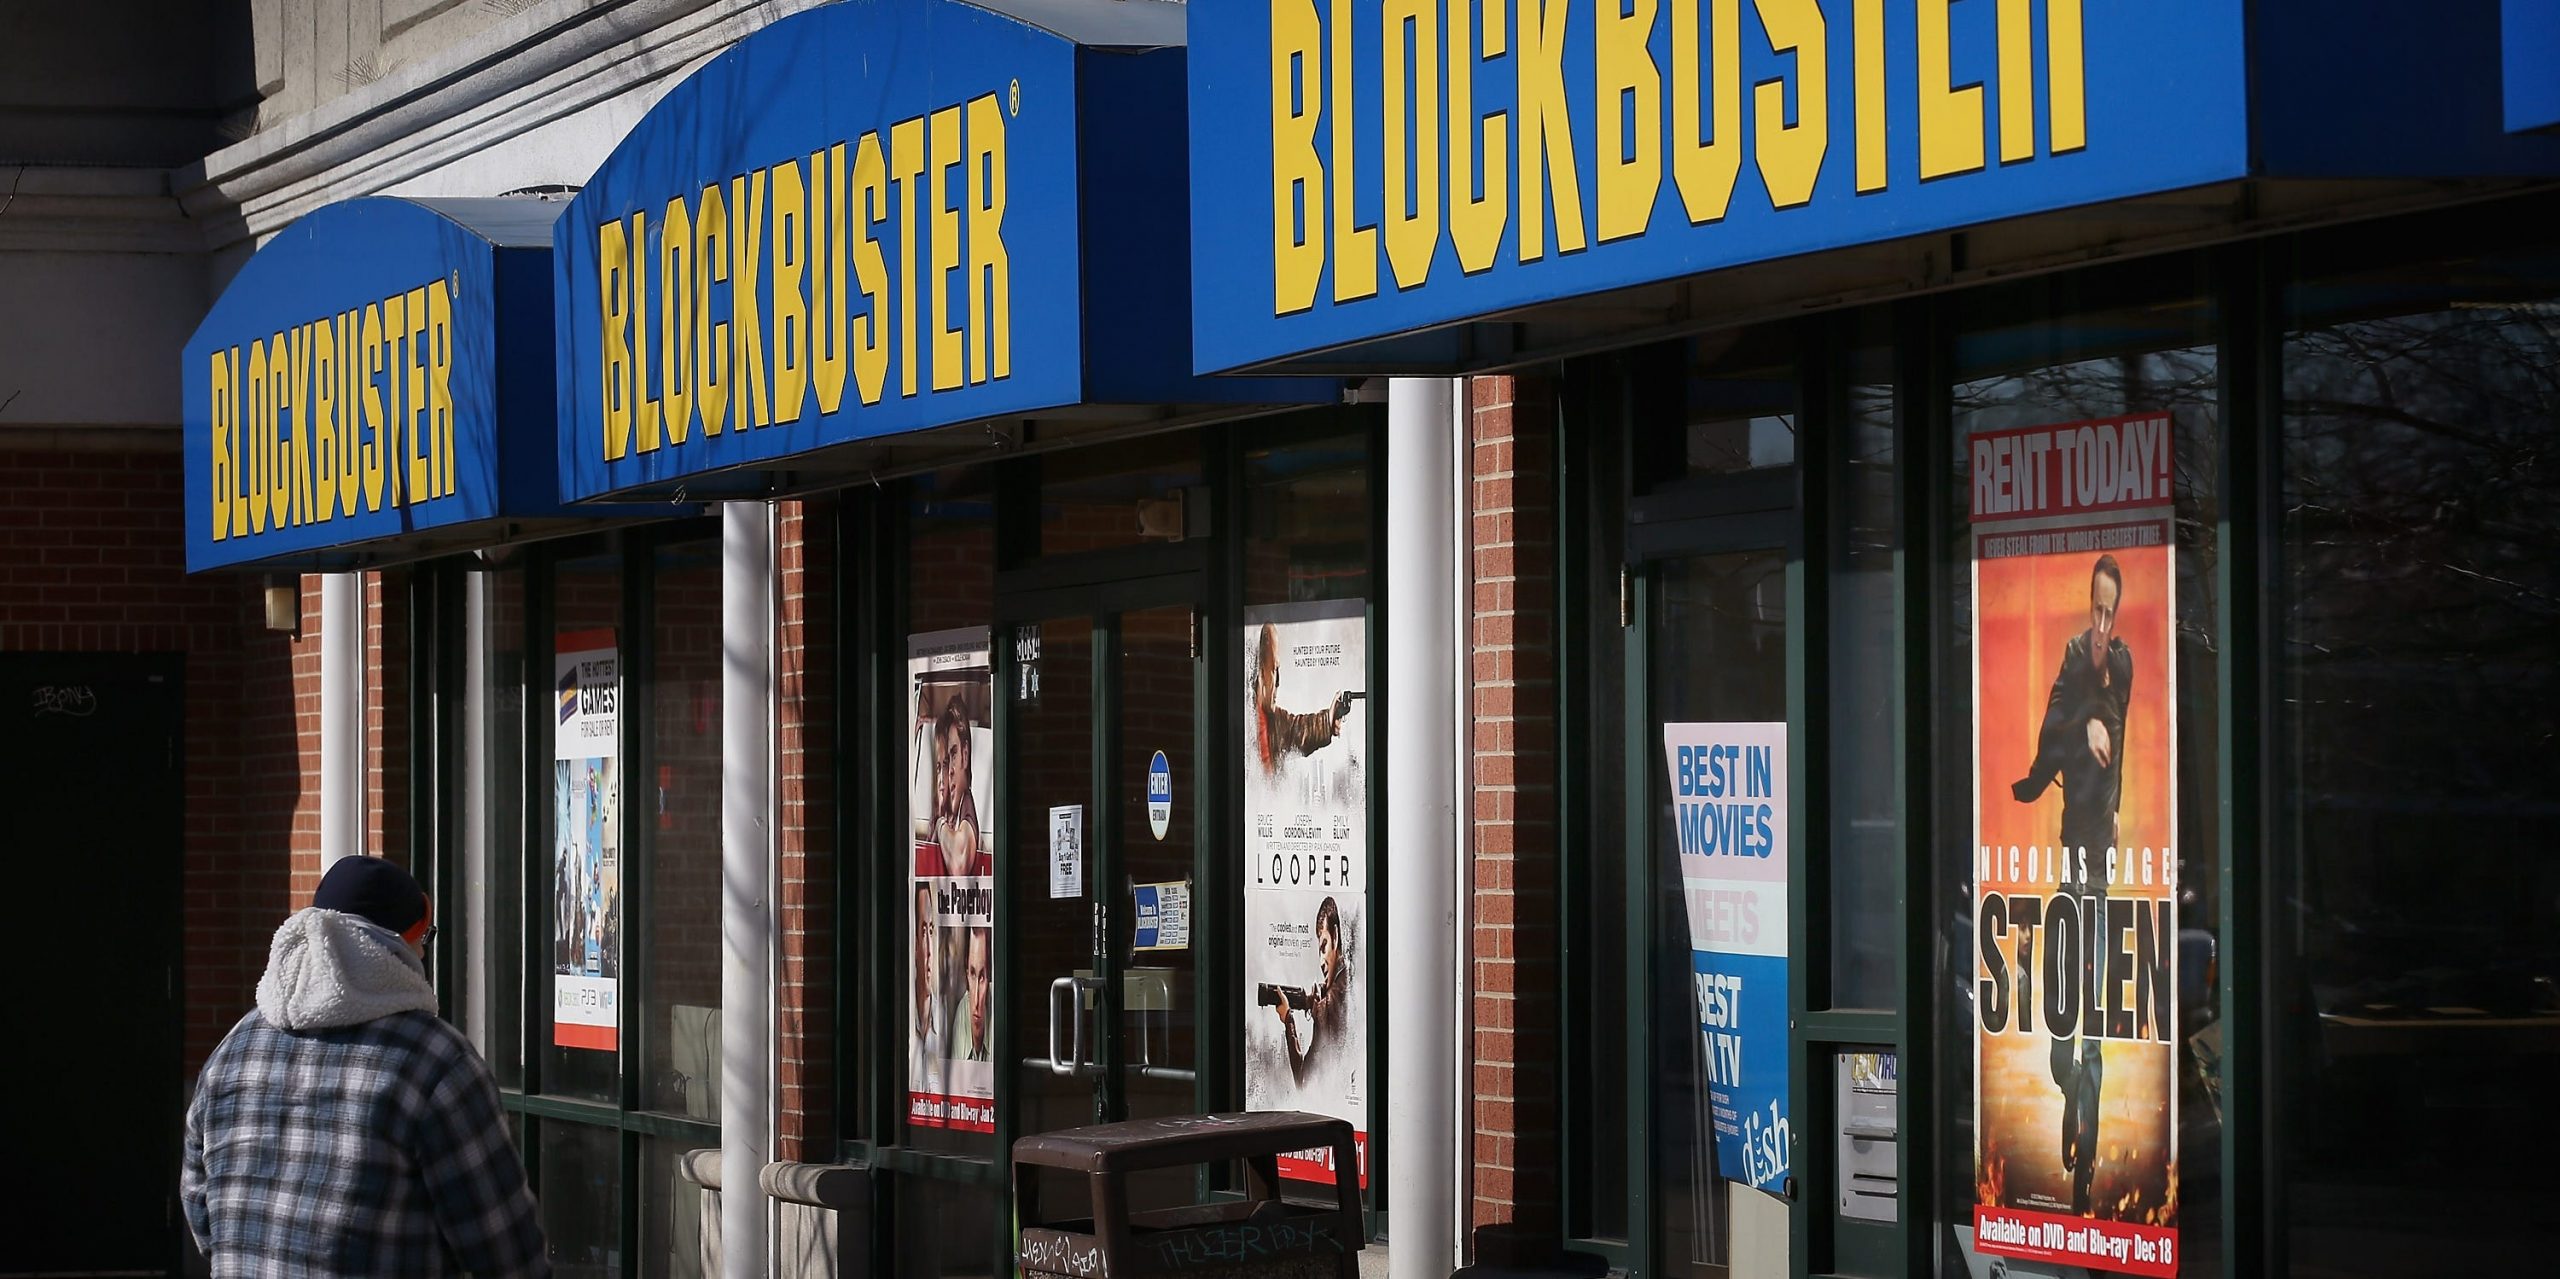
<point x="284" y="605"/>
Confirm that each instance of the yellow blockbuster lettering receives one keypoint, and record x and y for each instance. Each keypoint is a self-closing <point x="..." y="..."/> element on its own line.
<point x="1630" y="158"/>
<point x="828" y="305"/>
<point x="871" y="209"/>
<point x="2017" y="83"/>
<point x="613" y="262"/>
<point x="1546" y="134"/>
<point x="1355" y="247"/>
<point x="415" y="406"/>
<point x="990" y="264"/>
<point x="711" y="366"/>
<point x="219" y="388"/>
<point x="746" y="294"/>
<point x="324" y="419"/>
<point x="906" y="158"/>
<point x="944" y="133"/>
<point x="1413" y="138"/>
<point x="1297" y="174"/>
<point x="644" y="406"/>
<point x="790" y="290"/>
<point x="1475" y="221"/>
<point x="375" y="455"/>
<point x="350" y="390"/>
<point x="676" y="300"/>
<point x="258" y="437"/>
<point x="278" y="430"/>
<point x="440" y="384"/>
<point x="1790" y="155"/>
<point x="1950" y="117"/>
<point x="2067" y="108"/>
<point x="1705" y="170"/>
<point x="1867" y="58"/>
<point x="298" y="487"/>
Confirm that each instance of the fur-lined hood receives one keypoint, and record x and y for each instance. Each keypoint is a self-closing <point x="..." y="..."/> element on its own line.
<point x="327" y="969"/>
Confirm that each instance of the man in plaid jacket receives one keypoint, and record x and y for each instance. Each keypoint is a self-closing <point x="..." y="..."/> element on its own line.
<point x="342" y="1128"/>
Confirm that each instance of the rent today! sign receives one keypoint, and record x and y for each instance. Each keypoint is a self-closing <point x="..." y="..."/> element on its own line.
<point x="1410" y="163"/>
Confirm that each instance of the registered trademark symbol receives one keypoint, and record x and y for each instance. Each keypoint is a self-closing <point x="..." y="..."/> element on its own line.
<point x="1016" y="101"/>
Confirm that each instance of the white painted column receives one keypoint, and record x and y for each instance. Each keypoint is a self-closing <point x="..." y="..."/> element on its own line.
<point x="746" y="878"/>
<point x="1423" y="987"/>
<point x="341" y="717"/>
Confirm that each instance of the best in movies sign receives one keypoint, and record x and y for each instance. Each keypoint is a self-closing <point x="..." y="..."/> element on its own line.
<point x="813" y="240"/>
<point x="1399" y="164"/>
<point x="1729" y="808"/>
<point x="2075" y="873"/>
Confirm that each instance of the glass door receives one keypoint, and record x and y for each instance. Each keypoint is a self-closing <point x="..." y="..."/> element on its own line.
<point x="1102" y="753"/>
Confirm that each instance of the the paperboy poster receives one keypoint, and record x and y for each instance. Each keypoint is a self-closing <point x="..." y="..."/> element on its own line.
<point x="586" y="827"/>
<point x="951" y="1011"/>
<point x="1729" y="809"/>
<point x="2075" y="892"/>
<point x="1306" y="846"/>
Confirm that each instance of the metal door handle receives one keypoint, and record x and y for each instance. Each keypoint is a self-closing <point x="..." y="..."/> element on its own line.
<point x="1063" y="1064"/>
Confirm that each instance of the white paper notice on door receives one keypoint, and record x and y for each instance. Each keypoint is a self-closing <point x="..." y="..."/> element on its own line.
<point x="1066" y="851"/>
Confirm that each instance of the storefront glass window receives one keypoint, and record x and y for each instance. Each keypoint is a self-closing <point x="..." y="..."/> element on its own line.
<point x="1866" y="732"/>
<point x="1718" y="644"/>
<point x="2079" y="1035"/>
<point x="581" y="1199"/>
<point x="946" y="742"/>
<point x="2415" y="890"/>
<point x="1731" y="419"/>
<point x="493" y="819"/>
<point x="1598" y="1030"/>
<point x="670" y="1212"/>
<point x="1307" y="511"/>
<point x="682" y="947"/>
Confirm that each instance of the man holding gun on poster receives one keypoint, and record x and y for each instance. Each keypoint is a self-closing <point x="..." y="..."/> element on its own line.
<point x="2082" y="743"/>
<point x="1324" y="1003"/>
<point x="1280" y="733"/>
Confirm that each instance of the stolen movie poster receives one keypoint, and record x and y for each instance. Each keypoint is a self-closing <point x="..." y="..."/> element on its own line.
<point x="951" y="1081"/>
<point x="586" y="828"/>
<point x="1306" y="847"/>
<point x="2075" y="895"/>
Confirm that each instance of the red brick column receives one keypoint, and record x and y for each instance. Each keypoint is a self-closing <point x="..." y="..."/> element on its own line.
<point x="805" y="712"/>
<point x="1512" y="921"/>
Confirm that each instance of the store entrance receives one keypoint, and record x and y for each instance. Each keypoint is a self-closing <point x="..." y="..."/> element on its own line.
<point x="1100" y="786"/>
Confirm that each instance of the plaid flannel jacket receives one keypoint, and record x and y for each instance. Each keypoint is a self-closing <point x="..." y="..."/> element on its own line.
<point x="372" y="1149"/>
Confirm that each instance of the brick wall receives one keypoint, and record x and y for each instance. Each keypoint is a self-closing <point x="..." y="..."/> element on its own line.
<point x="1512" y="927"/>
<point x="805" y="711"/>
<point x="92" y="561"/>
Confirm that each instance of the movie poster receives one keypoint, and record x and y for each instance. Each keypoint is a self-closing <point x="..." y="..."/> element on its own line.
<point x="1729" y="812"/>
<point x="1306" y="845"/>
<point x="951" y="1013"/>
<point x="586" y="827"/>
<point x="2075" y="894"/>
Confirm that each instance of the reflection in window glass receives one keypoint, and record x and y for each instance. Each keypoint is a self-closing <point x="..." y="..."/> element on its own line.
<point x="493" y="820"/>
<point x="1307" y="522"/>
<point x="681" y="945"/>
<point x="2045" y="1106"/>
<point x="1597" y="1029"/>
<point x="1866" y="744"/>
<point x="1095" y="499"/>
<point x="581" y="1198"/>
<point x="2416" y="887"/>
<point x="944" y="1230"/>
<point x="671" y="1210"/>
